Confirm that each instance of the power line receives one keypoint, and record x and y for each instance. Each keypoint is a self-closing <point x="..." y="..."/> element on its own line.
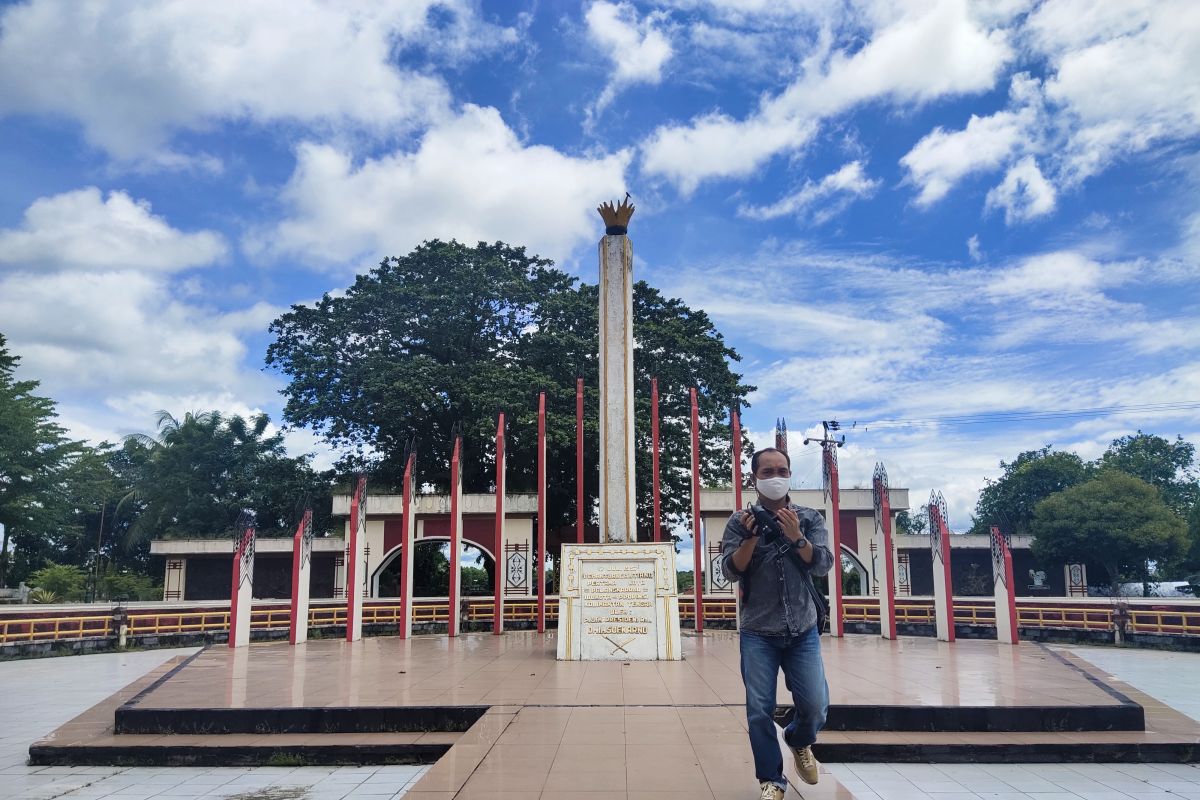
<point x="997" y="417"/>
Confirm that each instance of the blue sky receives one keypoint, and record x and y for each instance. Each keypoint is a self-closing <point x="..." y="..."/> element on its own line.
<point x="894" y="211"/>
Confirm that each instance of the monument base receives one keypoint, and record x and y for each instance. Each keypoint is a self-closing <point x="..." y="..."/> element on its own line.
<point x="619" y="602"/>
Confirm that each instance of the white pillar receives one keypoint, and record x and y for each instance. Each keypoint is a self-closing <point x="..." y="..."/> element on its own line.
<point x="943" y="586"/>
<point x="617" y="501"/>
<point x="242" y="596"/>
<point x="1003" y="589"/>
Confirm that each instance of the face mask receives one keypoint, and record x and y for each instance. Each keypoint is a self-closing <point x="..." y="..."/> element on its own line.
<point x="772" y="488"/>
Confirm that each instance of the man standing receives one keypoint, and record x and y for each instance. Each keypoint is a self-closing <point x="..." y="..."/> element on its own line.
<point x="779" y="620"/>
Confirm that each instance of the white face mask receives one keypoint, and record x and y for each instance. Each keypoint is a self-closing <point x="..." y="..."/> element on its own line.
<point x="772" y="488"/>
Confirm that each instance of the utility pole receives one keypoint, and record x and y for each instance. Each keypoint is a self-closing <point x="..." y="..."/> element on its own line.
<point x="830" y="442"/>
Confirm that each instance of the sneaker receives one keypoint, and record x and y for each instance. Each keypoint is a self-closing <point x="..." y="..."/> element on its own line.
<point x="769" y="791"/>
<point x="806" y="764"/>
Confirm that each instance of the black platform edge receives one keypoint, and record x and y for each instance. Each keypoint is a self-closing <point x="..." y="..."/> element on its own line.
<point x="980" y="719"/>
<point x="968" y="753"/>
<point x="184" y="755"/>
<point x="345" y="719"/>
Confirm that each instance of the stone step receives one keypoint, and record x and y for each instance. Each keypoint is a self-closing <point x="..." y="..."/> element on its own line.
<point x="1117" y="716"/>
<point x="244" y="750"/>
<point x="1001" y="748"/>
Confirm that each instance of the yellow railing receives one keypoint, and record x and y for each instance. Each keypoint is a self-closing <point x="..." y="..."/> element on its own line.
<point x="37" y="629"/>
<point x="1081" y="617"/>
<point x="1186" y="623"/>
<point x="143" y="622"/>
<point x="146" y="624"/>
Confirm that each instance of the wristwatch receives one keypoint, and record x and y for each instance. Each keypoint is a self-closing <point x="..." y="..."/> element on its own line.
<point x="800" y="543"/>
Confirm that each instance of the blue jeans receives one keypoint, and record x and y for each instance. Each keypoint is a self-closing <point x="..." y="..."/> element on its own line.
<point x="804" y="675"/>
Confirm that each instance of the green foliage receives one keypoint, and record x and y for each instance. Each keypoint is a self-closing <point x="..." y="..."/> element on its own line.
<point x="1171" y="466"/>
<point x="202" y="471"/>
<point x="128" y="585"/>
<point x="913" y="523"/>
<point x="685" y="580"/>
<point x="1114" y="520"/>
<point x="475" y="582"/>
<point x="42" y="596"/>
<point x="1192" y="560"/>
<point x="451" y="333"/>
<point x="65" y="580"/>
<point x="35" y="458"/>
<point x="1009" y="501"/>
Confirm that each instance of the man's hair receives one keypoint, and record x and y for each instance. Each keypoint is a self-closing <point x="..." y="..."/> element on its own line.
<point x="755" y="458"/>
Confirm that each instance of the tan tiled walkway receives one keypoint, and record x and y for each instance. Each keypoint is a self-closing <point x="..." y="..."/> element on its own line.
<point x="520" y="669"/>
<point x="599" y="730"/>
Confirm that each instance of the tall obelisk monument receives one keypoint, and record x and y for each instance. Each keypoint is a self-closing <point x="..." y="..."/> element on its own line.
<point x="617" y="501"/>
<point x="618" y="599"/>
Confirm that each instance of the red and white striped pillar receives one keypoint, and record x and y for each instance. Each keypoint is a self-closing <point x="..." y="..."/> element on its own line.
<point x="301" y="578"/>
<point x="407" y="546"/>
<point x="501" y="565"/>
<point x="697" y="532"/>
<point x="541" y="506"/>
<point x="456" y="531"/>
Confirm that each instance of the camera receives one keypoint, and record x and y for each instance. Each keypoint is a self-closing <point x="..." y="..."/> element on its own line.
<point x="768" y="527"/>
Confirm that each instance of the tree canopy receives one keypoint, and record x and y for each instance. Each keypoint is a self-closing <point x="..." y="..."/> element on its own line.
<point x="1169" y="465"/>
<point x="1034" y="475"/>
<point x="36" y="457"/>
<point x="1115" y="521"/>
<point x="452" y="334"/>
<point x="201" y="471"/>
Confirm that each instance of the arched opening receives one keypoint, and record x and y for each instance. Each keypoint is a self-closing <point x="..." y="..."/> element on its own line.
<point x="431" y="570"/>
<point x="854" y="574"/>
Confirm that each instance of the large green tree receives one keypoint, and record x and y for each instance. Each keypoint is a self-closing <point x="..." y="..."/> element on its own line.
<point x="201" y="471"/>
<point x="1169" y="465"/>
<point x="35" y="458"/>
<point x="452" y="334"/>
<point x="1034" y="475"/>
<point x="1115" y="521"/>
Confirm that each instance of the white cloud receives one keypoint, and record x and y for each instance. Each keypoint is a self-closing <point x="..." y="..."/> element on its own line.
<point x="86" y="300"/>
<point x="82" y="229"/>
<point x="1125" y="73"/>
<point x="110" y="330"/>
<point x="637" y="49"/>
<point x="1121" y="79"/>
<point x="943" y="158"/>
<point x="933" y="49"/>
<point x="973" y="248"/>
<point x="132" y="74"/>
<point x="833" y="193"/>
<point x="470" y="179"/>
<point x="1024" y="194"/>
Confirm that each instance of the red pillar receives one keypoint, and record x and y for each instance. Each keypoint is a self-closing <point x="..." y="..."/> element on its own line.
<point x="835" y="525"/>
<point x="541" y="531"/>
<point x="697" y="536"/>
<point x="654" y="486"/>
<point x="735" y="421"/>
<point x="406" y="548"/>
<point x="579" y="460"/>
<point x="498" y="604"/>
<point x="354" y="561"/>
<point x="455" y="536"/>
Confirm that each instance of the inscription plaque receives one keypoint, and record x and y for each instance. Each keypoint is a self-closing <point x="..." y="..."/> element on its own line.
<point x="618" y="602"/>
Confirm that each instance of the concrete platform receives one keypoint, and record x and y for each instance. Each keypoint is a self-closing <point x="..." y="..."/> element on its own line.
<point x="501" y="711"/>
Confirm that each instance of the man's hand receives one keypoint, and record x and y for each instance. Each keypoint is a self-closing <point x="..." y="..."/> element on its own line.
<point x="750" y="524"/>
<point x="790" y="523"/>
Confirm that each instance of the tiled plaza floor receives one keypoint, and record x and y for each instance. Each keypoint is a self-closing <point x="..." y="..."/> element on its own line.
<point x="38" y="695"/>
<point x="561" y="758"/>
